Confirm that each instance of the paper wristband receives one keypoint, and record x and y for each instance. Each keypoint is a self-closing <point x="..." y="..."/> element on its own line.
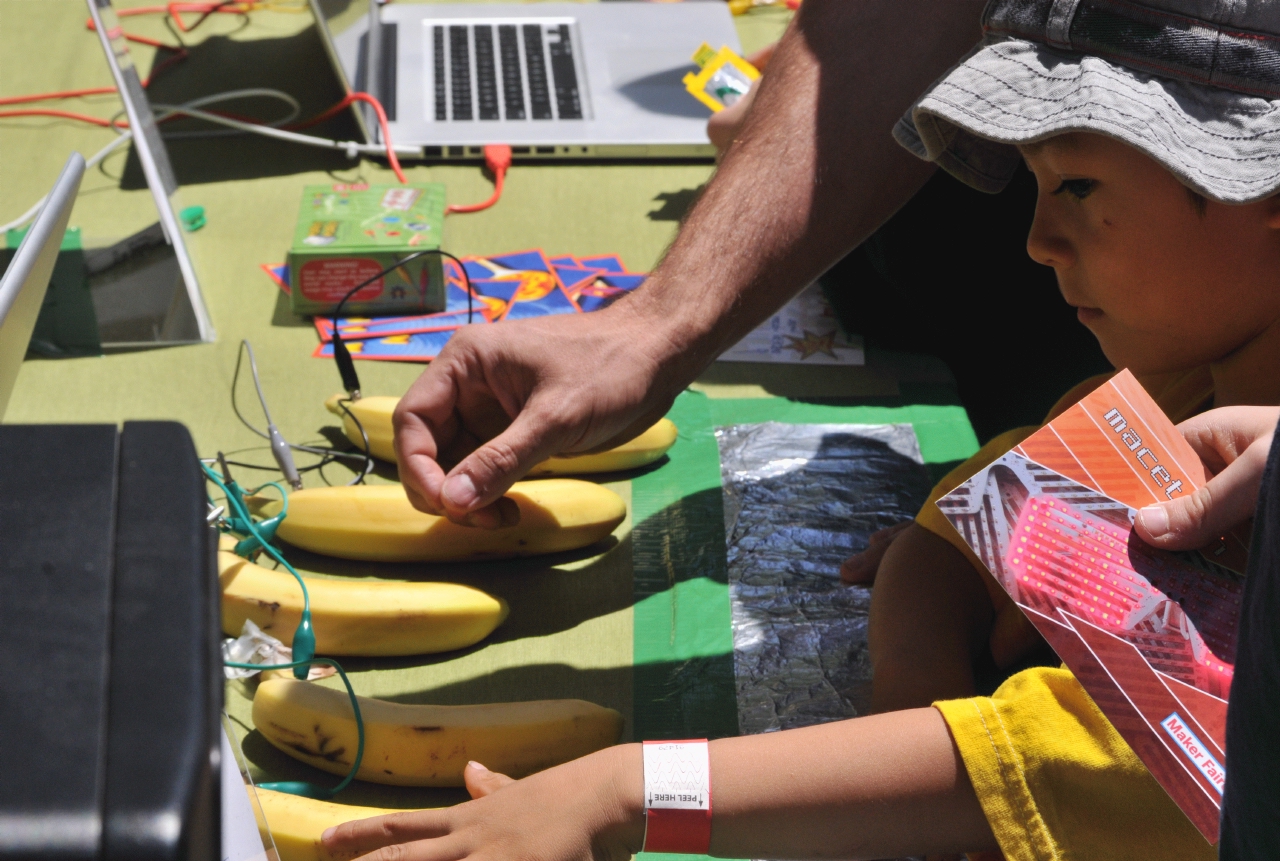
<point x="677" y="797"/>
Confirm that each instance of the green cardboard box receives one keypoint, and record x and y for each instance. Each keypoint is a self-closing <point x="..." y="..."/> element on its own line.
<point x="348" y="233"/>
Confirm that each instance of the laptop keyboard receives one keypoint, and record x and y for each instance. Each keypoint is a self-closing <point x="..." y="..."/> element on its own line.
<point x="505" y="71"/>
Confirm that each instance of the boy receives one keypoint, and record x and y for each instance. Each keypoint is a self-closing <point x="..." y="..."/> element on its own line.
<point x="1179" y="290"/>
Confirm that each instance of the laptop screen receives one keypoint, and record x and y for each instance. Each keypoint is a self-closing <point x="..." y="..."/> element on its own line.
<point x="26" y="279"/>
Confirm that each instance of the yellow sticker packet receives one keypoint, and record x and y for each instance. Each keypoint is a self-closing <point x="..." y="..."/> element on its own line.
<point x="724" y="77"/>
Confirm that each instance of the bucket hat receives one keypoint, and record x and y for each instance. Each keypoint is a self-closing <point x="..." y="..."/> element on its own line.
<point x="1195" y="84"/>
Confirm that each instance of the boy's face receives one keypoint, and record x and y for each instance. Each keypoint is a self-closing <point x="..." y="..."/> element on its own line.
<point x="1162" y="285"/>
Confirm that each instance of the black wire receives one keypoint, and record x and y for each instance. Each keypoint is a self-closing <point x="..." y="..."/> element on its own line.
<point x="342" y="356"/>
<point x="364" y="437"/>
<point x="261" y="467"/>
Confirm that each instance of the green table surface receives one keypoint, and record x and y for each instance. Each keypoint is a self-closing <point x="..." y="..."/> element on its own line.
<point x="641" y="625"/>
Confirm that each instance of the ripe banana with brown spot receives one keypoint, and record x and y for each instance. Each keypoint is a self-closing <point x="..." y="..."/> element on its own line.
<point x="426" y="745"/>
<point x="377" y="523"/>
<point x="374" y="414"/>
<point x="357" y="617"/>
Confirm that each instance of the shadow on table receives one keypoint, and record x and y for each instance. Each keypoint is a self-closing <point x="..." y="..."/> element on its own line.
<point x="296" y="65"/>
<point x="675" y="205"/>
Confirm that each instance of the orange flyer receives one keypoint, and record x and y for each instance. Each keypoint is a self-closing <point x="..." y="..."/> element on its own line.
<point x="1150" y="635"/>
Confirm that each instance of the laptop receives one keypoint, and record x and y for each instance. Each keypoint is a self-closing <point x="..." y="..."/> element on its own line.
<point x="26" y="279"/>
<point x="552" y="80"/>
<point x="149" y="278"/>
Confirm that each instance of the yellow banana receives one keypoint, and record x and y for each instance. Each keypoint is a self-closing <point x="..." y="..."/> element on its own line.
<point x="641" y="451"/>
<point x="377" y="523"/>
<point x="374" y="414"/>
<point x="424" y="745"/>
<point x="357" y="617"/>
<point x="296" y="823"/>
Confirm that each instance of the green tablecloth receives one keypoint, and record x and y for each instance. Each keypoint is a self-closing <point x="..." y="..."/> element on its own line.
<point x="642" y="627"/>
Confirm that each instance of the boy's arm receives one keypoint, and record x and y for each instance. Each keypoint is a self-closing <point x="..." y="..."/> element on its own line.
<point x="814" y="170"/>
<point x="874" y="787"/>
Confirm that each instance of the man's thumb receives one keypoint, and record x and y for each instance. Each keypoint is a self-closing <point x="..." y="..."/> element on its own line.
<point x="489" y="471"/>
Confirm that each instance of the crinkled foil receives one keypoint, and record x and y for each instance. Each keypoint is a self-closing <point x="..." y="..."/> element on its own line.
<point x="798" y="500"/>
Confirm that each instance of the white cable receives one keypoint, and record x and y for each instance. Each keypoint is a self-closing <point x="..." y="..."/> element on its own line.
<point x="294" y="137"/>
<point x="192" y="108"/>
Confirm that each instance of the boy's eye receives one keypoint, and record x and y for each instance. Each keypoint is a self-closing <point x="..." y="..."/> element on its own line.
<point x="1077" y="188"/>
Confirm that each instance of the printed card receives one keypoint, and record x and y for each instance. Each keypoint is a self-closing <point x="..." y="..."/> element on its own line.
<point x="422" y="347"/>
<point x="1150" y="635"/>
<point x="805" y="331"/>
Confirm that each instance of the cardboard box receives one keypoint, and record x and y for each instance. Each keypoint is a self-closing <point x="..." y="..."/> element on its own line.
<point x="348" y="233"/>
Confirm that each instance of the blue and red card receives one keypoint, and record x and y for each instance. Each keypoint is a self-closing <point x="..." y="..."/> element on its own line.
<point x="514" y="286"/>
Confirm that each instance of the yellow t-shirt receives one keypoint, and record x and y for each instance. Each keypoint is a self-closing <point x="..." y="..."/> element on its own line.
<point x="1054" y="778"/>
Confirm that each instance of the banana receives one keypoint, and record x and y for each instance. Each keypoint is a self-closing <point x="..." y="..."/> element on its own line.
<point x="374" y="414"/>
<point x="376" y="523"/>
<point x="424" y="745"/>
<point x="641" y="451"/>
<point x="357" y="617"/>
<point x="296" y="823"/>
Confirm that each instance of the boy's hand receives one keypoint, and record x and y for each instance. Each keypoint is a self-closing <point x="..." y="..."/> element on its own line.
<point x="1233" y="442"/>
<point x="591" y="808"/>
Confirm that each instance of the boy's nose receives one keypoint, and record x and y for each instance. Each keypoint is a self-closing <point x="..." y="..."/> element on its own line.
<point x="1046" y="244"/>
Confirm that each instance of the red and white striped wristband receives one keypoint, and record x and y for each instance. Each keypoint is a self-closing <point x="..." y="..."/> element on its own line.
<point x="677" y="797"/>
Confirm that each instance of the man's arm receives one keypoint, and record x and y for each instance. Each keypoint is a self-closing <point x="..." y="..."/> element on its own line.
<point x="875" y="787"/>
<point x="813" y="172"/>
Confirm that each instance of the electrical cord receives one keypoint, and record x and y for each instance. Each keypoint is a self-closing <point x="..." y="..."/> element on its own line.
<point x="342" y="356"/>
<point x="126" y="136"/>
<point x="352" y="148"/>
<point x="304" y="639"/>
<point x="305" y="788"/>
<point x="279" y="446"/>
<point x="497" y="157"/>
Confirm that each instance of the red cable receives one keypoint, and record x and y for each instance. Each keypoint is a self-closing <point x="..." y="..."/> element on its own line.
<point x="497" y="157"/>
<point x="386" y="131"/>
<point x="66" y="115"/>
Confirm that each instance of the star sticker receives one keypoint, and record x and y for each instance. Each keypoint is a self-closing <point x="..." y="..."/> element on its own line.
<point x="811" y="344"/>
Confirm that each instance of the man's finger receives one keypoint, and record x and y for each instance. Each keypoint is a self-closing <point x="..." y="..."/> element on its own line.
<point x="365" y="835"/>
<point x="481" y="781"/>
<point x="490" y="470"/>
<point x="1225" y="501"/>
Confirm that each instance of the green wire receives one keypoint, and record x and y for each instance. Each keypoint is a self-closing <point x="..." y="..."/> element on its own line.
<point x="304" y="631"/>
<point x="309" y="789"/>
<point x="243" y="513"/>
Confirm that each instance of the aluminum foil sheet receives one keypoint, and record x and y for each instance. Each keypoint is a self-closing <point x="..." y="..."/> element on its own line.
<point x="798" y="500"/>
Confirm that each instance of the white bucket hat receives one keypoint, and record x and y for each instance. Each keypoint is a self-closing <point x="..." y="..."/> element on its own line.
<point x="1195" y="84"/>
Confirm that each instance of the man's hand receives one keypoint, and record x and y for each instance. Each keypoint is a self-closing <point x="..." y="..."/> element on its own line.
<point x="496" y="403"/>
<point x="576" y="812"/>
<point x="811" y="172"/>
<point x="723" y="126"/>
<point x="1233" y="442"/>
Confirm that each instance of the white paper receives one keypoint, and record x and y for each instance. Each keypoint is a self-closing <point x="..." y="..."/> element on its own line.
<point x="803" y="332"/>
